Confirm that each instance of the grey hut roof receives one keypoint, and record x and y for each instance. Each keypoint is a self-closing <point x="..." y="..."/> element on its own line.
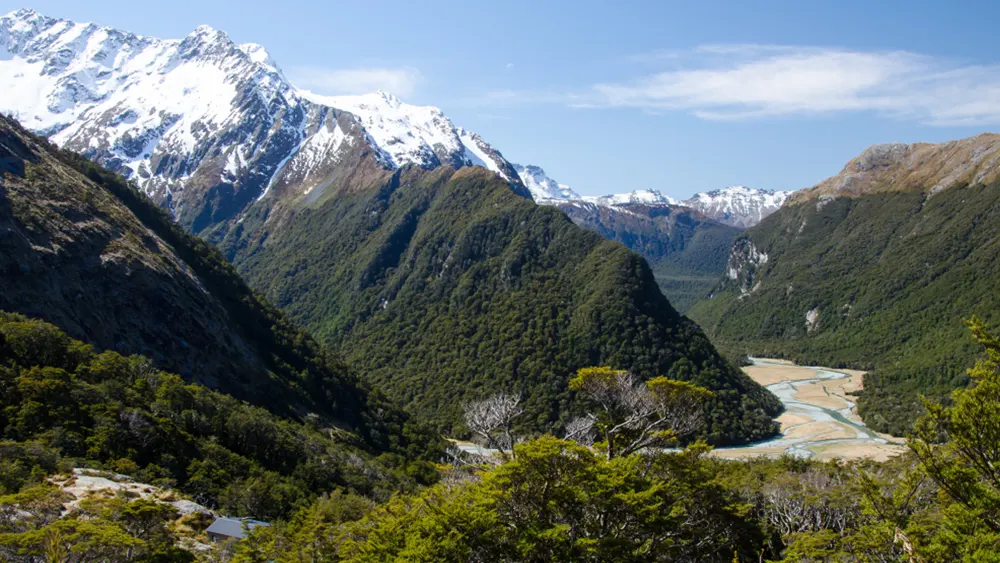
<point x="233" y="527"/>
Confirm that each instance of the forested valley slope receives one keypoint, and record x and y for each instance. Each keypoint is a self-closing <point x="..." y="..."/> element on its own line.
<point x="875" y="268"/>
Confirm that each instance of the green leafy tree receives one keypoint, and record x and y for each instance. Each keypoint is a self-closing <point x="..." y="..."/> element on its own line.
<point x="967" y="465"/>
<point x="556" y="500"/>
<point x="73" y="541"/>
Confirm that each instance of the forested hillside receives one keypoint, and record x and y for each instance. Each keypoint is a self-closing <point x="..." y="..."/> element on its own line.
<point x="552" y="500"/>
<point x="559" y="500"/>
<point x="83" y="250"/>
<point x="874" y="269"/>
<point x="446" y="286"/>
<point x="64" y="403"/>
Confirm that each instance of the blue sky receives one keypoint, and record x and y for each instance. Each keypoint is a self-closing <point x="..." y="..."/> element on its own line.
<point x="615" y="96"/>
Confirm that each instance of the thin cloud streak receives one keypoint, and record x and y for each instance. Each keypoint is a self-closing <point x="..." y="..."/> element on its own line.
<point x="401" y="81"/>
<point x="737" y="82"/>
<point x="744" y="82"/>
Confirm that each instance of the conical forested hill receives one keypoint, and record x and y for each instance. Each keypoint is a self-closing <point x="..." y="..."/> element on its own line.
<point x="445" y="286"/>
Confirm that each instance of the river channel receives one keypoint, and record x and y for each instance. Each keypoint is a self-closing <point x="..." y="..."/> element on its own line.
<point x="820" y="420"/>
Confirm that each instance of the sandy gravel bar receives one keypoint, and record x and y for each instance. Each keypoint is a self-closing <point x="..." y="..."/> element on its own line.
<point x="820" y="420"/>
<point x="769" y="375"/>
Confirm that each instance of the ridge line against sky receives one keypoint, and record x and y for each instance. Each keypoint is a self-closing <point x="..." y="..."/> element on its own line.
<point x="638" y="95"/>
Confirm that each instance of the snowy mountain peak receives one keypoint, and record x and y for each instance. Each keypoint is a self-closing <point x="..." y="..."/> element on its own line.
<point x="546" y="190"/>
<point x="420" y="135"/>
<point x="644" y="197"/>
<point x="393" y="101"/>
<point x="739" y="206"/>
<point x="204" y="30"/>
<point x="259" y="55"/>
<point x="26" y="16"/>
<point x="207" y="126"/>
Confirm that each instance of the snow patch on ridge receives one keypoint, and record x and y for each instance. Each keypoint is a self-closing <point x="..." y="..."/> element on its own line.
<point x="411" y="134"/>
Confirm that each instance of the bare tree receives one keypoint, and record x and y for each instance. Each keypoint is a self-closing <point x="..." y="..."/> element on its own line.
<point x="581" y="430"/>
<point x="632" y="416"/>
<point x="492" y="419"/>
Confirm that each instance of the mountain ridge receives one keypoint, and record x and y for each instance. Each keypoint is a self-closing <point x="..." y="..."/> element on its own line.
<point x="445" y="286"/>
<point x="919" y="166"/>
<point x="423" y="275"/>
<point x="685" y="242"/>
<point x="221" y="121"/>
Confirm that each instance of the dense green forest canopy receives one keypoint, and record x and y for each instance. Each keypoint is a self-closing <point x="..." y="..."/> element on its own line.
<point x="445" y="286"/>
<point x="550" y="500"/>
<point x="63" y="403"/>
<point x="890" y="277"/>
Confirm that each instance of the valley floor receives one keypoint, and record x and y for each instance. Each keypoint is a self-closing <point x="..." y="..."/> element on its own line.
<point x="820" y="420"/>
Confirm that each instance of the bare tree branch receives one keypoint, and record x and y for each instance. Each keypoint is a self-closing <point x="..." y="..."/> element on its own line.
<point x="632" y="415"/>
<point x="492" y="419"/>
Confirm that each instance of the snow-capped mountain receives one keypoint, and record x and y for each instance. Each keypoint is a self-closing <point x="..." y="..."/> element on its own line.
<point x="634" y="197"/>
<point x="738" y="206"/>
<point x="544" y="189"/>
<point x="208" y="126"/>
<point x="420" y="135"/>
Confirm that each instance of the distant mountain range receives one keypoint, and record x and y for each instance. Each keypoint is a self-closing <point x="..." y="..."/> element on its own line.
<point x="441" y="285"/>
<point x="738" y="206"/>
<point x="206" y="126"/>
<point x="875" y="268"/>
<point x="686" y="242"/>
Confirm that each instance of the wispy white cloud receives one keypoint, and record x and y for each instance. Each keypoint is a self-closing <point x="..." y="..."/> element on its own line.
<point x="752" y="81"/>
<point x="400" y="81"/>
<point x="739" y="82"/>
